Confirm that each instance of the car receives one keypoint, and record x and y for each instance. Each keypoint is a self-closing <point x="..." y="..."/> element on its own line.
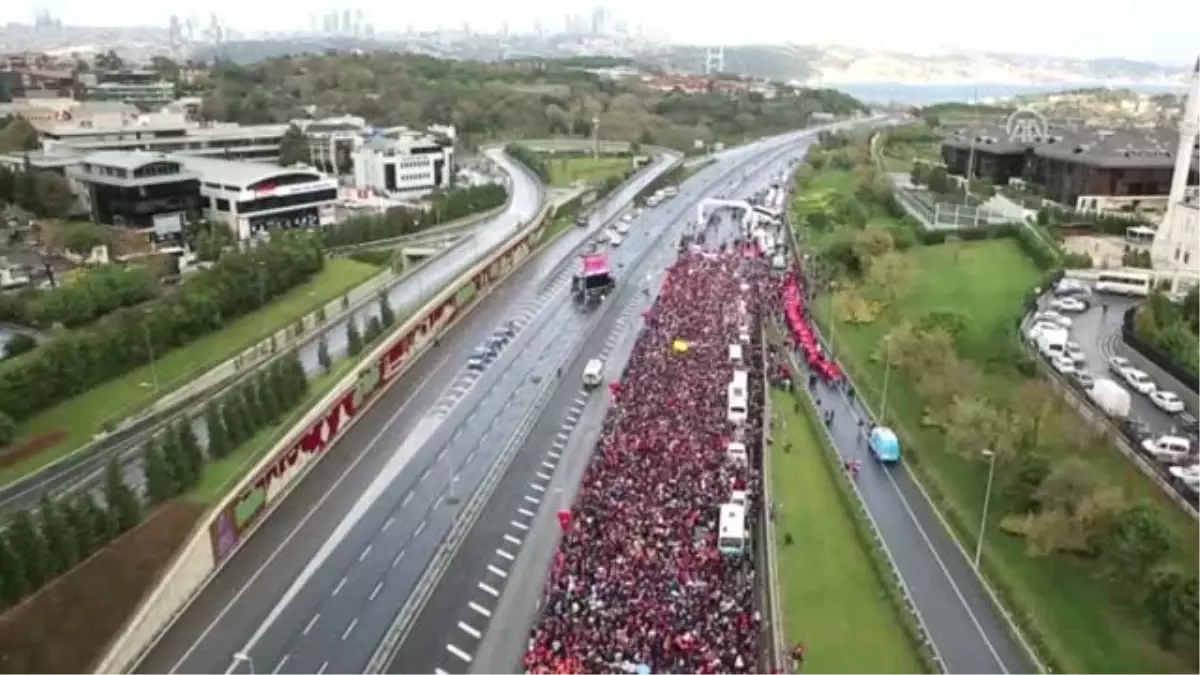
<point x="1168" y="449"/>
<point x="627" y="218"/>
<point x="1068" y="303"/>
<point x="1136" y="430"/>
<point x="1189" y="475"/>
<point x="1083" y="379"/>
<point x="1040" y="327"/>
<point x="1139" y="381"/>
<point x="623" y="228"/>
<point x="1118" y="364"/>
<point x="1073" y="351"/>
<point x="1053" y="317"/>
<point x="1063" y="364"/>
<point x="478" y="360"/>
<point x="1167" y="401"/>
<point x="1188" y="423"/>
<point x="1072" y="288"/>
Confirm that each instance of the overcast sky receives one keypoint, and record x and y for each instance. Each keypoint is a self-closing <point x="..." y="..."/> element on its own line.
<point x="1154" y="30"/>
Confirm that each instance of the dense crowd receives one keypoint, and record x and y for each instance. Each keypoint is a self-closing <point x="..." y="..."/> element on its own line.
<point x="638" y="584"/>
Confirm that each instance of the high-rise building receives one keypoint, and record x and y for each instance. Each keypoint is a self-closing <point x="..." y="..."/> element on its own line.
<point x="1177" y="240"/>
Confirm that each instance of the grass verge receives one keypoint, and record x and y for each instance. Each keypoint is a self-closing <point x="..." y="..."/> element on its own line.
<point x="833" y="596"/>
<point x="1062" y="603"/>
<point x="85" y="415"/>
<point x="566" y="171"/>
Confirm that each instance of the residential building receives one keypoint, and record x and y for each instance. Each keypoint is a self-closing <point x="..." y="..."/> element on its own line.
<point x="254" y="199"/>
<point x="1177" y="239"/>
<point x="405" y="162"/>
<point x="142" y="190"/>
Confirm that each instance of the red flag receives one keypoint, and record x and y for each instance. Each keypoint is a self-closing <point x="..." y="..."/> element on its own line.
<point x="564" y="519"/>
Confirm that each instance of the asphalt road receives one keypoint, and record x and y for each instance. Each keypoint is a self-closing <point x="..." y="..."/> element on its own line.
<point x="439" y="417"/>
<point x="454" y="630"/>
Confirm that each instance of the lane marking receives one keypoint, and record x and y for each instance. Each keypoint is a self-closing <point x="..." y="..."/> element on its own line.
<point x="321" y="670"/>
<point x="560" y="444"/>
<point x="553" y="454"/>
<point x="480" y="609"/>
<point x="398" y="558"/>
<point x="497" y="571"/>
<point x="441" y="454"/>
<point x="439" y="671"/>
<point x="505" y="554"/>
<point x="469" y="630"/>
<point x="512" y="540"/>
<point x="537" y="487"/>
<point x="425" y="473"/>
<point x="339" y="586"/>
<point x="407" y="498"/>
<point x="438" y="502"/>
<point x="548" y="465"/>
<point x="390" y="520"/>
<point x="532" y="500"/>
<point x="375" y="591"/>
<point x="542" y="475"/>
<point x="349" y="629"/>
<point x="365" y="552"/>
<point x="281" y="662"/>
<point x="309" y="625"/>
<point x="489" y="590"/>
<point x="455" y="651"/>
<point x="520" y="526"/>
<point x="525" y="512"/>
<point x="419" y="529"/>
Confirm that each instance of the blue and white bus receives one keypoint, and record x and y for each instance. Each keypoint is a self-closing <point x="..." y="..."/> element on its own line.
<point x="731" y="539"/>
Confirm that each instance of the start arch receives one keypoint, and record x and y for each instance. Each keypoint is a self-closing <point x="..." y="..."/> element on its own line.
<point x="706" y="206"/>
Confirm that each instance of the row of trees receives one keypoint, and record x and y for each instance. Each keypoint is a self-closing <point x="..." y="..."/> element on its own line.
<point x="1172" y="328"/>
<point x="40" y="544"/>
<point x="93" y="293"/>
<point x="444" y="207"/>
<point x="938" y="181"/>
<point x="42" y="193"/>
<point x="75" y="361"/>
<point x="532" y="160"/>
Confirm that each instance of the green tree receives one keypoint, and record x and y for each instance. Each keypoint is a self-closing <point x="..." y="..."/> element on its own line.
<point x="234" y="419"/>
<point x="120" y="499"/>
<point x="179" y="465"/>
<point x="354" y="341"/>
<point x="1137" y="542"/>
<point x="53" y="195"/>
<point x="61" y="542"/>
<point x="8" y="429"/>
<point x="293" y="147"/>
<point x="189" y="447"/>
<point x="268" y="395"/>
<point x="160" y="483"/>
<point x="323" y="357"/>
<point x="1172" y="602"/>
<point x="252" y="409"/>
<point x="13" y="582"/>
<point x="374" y="329"/>
<point x="218" y="437"/>
<point x="80" y="518"/>
<point x="283" y="384"/>
<point x="103" y="523"/>
<point x="18" y="135"/>
<point x="29" y="546"/>
<point x="386" y="316"/>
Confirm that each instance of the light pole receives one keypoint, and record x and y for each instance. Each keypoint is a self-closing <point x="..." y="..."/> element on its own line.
<point x="970" y="160"/>
<point x="150" y="349"/>
<point x="240" y="657"/>
<point x="887" y="372"/>
<point x="987" y="497"/>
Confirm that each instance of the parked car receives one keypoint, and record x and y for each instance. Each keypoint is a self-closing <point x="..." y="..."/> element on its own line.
<point x="1188" y="475"/>
<point x="1083" y="379"/>
<point x="1074" y="351"/>
<point x="1167" y="401"/>
<point x="1055" y="318"/>
<point x="1188" y="423"/>
<point x="1067" y="287"/>
<point x="1118" y="364"/>
<point x="1063" y="364"/>
<point x="1168" y="449"/>
<point x="1136" y="430"/>
<point x="1068" y="303"/>
<point x="1139" y="381"/>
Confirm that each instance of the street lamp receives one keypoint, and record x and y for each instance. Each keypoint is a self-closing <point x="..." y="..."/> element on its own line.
<point x="241" y="657"/>
<point x="887" y="372"/>
<point x="150" y="349"/>
<point x="987" y="497"/>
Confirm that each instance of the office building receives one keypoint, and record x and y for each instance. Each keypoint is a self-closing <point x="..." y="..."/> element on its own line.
<point x="405" y="162"/>
<point x="143" y="88"/>
<point x="168" y="133"/>
<point x="145" y="191"/>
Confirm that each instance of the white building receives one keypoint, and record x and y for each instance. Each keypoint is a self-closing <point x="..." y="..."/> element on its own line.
<point x="166" y="132"/>
<point x="405" y="162"/>
<point x="252" y="198"/>
<point x="1176" y="247"/>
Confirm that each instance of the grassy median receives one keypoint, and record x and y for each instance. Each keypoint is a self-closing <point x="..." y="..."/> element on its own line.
<point x="566" y="171"/>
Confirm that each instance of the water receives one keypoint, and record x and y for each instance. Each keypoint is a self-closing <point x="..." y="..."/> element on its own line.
<point x="924" y="94"/>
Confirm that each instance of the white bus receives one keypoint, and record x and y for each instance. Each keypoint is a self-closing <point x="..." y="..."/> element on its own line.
<point x="732" y="535"/>
<point x="1124" y="283"/>
<point x="738" y="409"/>
<point x="1139" y="236"/>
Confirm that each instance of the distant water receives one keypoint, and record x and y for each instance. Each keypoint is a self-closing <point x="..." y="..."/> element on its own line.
<point x="923" y="94"/>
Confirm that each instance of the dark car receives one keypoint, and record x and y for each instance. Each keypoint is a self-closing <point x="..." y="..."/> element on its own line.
<point x="1083" y="379"/>
<point x="1187" y="422"/>
<point x="1136" y="431"/>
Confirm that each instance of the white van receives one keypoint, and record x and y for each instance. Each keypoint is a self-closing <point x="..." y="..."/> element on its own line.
<point x="1053" y="342"/>
<point x="744" y="334"/>
<point x="736" y="452"/>
<point x="735" y="355"/>
<point x="1168" y="449"/>
<point x="739" y="498"/>
<point x="614" y="238"/>
<point x="593" y="373"/>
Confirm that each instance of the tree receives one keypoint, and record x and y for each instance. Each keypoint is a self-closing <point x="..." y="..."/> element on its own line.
<point x="97" y="523"/>
<point x="252" y="410"/>
<point x="354" y="341"/>
<point x="160" y="483"/>
<point x="81" y="238"/>
<point x="18" y="135"/>
<point x="53" y="195"/>
<point x="293" y="147"/>
<point x="120" y="499"/>
<point x="30" y="548"/>
<point x="218" y="437"/>
<point x="1172" y="601"/>
<point x="386" y="316"/>
<point x="323" y="357"/>
<point x="61" y="541"/>
<point x="179" y="465"/>
<point x="1139" y="540"/>
<point x="974" y="426"/>
<point x="297" y="379"/>
<point x="234" y="420"/>
<point x="13" y="582"/>
<point x="8" y="429"/>
<point x="374" y="329"/>
<point x="268" y="395"/>
<point x="189" y="447"/>
<point x="82" y="523"/>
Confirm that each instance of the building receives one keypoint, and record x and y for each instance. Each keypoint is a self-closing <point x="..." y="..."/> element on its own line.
<point x="45" y="113"/>
<point x="404" y="163"/>
<point x="1112" y="170"/>
<point x="167" y="133"/>
<point x="143" y="88"/>
<point x="1177" y="240"/>
<point x="146" y="191"/>
<point x="253" y="198"/>
<point x="332" y="142"/>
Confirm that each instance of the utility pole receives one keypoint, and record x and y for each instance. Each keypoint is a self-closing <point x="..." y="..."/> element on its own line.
<point x="971" y="153"/>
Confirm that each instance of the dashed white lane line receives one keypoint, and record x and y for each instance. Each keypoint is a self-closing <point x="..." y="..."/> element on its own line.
<point x="439" y="671"/>
<point x="365" y="552"/>
<point x="489" y="590"/>
<point x="537" y="487"/>
<point x="553" y="454"/>
<point x="311" y="622"/>
<point x="525" y="512"/>
<point x="567" y="427"/>
<point x="457" y="652"/>
<point x="398" y="558"/>
<point x="281" y="662"/>
<point x="321" y="670"/>
<point x="512" y="540"/>
<point x="548" y="465"/>
<point x="375" y="591"/>
<point x="425" y="474"/>
<point x="390" y="520"/>
<point x="497" y="571"/>
<point x="349" y="629"/>
<point x="338" y="588"/>
<point x="532" y="500"/>
<point x="420" y="528"/>
<point x="407" y="498"/>
<point x="479" y="609"/>
<point x="437" y="503"/>
<point x="520" y="526"/>
<point x="469" y="630"/>
<point x="543" y="475"/>
<point x="505" y="554"/>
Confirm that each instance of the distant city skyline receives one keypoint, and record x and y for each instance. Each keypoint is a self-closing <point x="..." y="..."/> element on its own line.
<point x="1160" y="30"/>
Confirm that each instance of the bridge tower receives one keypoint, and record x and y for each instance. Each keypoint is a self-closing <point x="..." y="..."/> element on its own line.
<point x="714" y="60"/>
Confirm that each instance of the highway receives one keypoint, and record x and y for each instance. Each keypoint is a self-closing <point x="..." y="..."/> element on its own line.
<point x="493" y="580"/>
<point x="398" y="459"/>
<point x="85" y="469"/>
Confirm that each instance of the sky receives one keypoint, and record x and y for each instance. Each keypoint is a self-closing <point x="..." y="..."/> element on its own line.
<point x="1163" y="31"/>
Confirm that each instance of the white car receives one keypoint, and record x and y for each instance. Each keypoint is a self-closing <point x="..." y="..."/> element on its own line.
<point x="1074" y="351"/>
<point x="1167" y="401"/>
<point x="1063" y="364"/>
<point x="1117" y="364"/>
<point x="628" y="218"/>
<point x="1053" y="317"/>
<point x="1166" y="449"/>
<point x="1188" y="474"/>
<point x="1139" y="381"/>
<point x="1040" y="327"/>
<point x="1068" y="304"/>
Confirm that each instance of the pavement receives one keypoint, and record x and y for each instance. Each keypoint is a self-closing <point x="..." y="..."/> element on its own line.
<point x="85" y="470"/>
<point x="345" y="549"/>
<point x="478" y="616"/>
